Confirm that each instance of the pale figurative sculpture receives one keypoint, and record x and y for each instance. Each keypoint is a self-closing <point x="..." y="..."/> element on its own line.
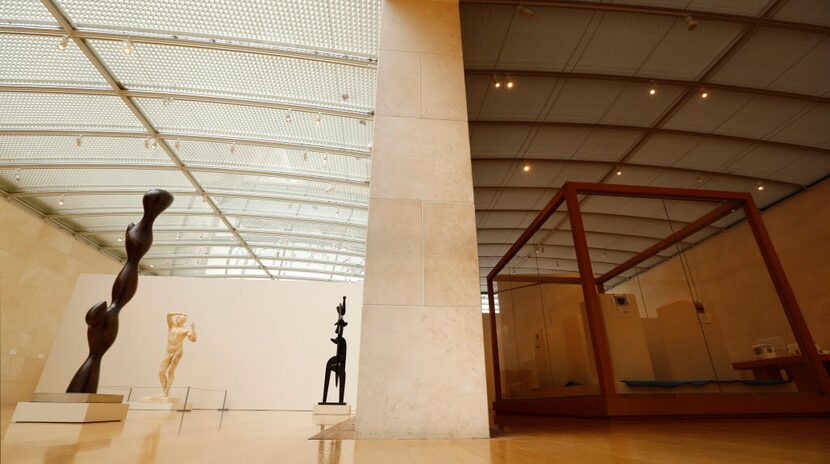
<point x="337" y="363"/>
<point x="176" y="333"/>
<point x="103" y="320"/>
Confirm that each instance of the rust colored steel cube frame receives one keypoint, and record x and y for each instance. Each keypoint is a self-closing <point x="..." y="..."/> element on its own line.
<point x="609" y="403"/>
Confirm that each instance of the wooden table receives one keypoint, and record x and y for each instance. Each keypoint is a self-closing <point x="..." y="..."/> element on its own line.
<point x="770" y="368"/>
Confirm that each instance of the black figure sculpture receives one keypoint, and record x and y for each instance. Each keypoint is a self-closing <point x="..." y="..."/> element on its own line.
<point x="103" y="321"/>
<point x="337" y="363"/>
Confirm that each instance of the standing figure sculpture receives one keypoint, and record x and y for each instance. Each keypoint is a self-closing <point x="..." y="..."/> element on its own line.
<point x="103" y="320"/>
<point x="337" y="363"/>
<point x="176" y="333"/>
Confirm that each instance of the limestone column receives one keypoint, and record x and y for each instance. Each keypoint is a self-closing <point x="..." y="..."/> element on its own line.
<point x="421" y="372"/>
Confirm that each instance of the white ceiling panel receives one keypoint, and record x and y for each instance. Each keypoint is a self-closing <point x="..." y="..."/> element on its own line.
<point x="767" y="55"/>
<point x="20" y="110"/>
<point x="26" y="12"/>
<point x="36" y="60"/>
<point x="804" y="11"/>
<point x="27" y="149"/>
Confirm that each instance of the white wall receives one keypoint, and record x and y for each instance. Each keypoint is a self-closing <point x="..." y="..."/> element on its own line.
<point x="267" y="342"/>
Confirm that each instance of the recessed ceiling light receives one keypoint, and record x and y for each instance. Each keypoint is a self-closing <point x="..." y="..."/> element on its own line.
<point x="526" y="168"/>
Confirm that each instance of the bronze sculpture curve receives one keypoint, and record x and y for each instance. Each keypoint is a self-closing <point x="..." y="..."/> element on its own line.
<point x="103" y="320"/>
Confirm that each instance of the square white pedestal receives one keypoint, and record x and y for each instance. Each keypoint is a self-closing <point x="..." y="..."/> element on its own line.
<point x="336" y="409"/>
<point x="79" y="413"/>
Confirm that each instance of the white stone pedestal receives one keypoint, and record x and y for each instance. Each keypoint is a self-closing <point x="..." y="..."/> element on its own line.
<point x="79" y="413"/>
<point x="330" y="414"/>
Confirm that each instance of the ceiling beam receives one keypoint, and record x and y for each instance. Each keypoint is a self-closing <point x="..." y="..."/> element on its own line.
<point x="652" y="130"/>
<point x="241" y="195"/>
<point x="276" y="233"/>
<point x="600" y="250"/>
<point x="659" y="11"/>
<point x="264" y="258"/>
<point x="168" y="213"/>
<point x="191" y="168"/>
<point x="648" y="81"/>
<point x="69" y="29"/>
<point x="205" y="244"/>
<point x="703" y="174"/>
<point x="550" y="230"/>
<point x="175" y="138"/>
<point x="535" y="212"/>
<point x="265" y="49"/>
<point x="157" y="95"/>
<point x="272" y="268"/>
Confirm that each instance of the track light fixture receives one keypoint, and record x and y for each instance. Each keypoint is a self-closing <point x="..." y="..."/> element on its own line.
<point x="61" y="202"/>
<point x="653" y="89"/>
<point x="79" y="140"/>
<point x="64" y="43"/>
<point x="618" y="171"/>
<point x="127" y="47"/>
<point x="704" y="94"/>
<point x="524" y="11"/>
<point x="509" y="83"/>
<point x="318" y="119"/>
<point x="698" y="178"/>
<point x="325" y="159"/>
<point x="150" y="143"/>
<point x="288" y="117"/>
<point x="691" y="24"/>
<point x="759" y="185"/>
<point x="233" y="148"/>
<point x="17" y="174"/>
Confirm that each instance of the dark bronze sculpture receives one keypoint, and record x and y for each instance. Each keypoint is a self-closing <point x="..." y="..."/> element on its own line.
<point x="103" y="321"/>
<point x="337" y="363"/>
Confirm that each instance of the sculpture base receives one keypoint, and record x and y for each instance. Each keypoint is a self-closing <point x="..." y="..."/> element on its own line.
<point x="76" y="398"/>
<point x="76" y="413"/>
<point x="336" y="409"/>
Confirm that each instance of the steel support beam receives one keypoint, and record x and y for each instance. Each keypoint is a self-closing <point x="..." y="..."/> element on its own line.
<point x="156" y="95"/>
<point x="265" y="49"/>
<point x="288" y="235"/>
<point x="175" y="138"/>
<point x="658" y="11"/>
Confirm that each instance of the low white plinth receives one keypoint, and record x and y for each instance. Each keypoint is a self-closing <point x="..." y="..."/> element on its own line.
<point x="154" y="406"/>
<point x="79" y="413"/>
<point x="335" y="409"/>
<point x="328" y="419"/>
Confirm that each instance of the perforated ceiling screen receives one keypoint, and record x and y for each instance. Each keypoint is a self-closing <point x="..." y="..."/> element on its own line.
<point x="256" y="115"/>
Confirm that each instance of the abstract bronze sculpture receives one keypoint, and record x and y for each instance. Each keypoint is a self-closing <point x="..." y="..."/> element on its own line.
<point x="337" y="363"/>
<point x="103" y="321"/>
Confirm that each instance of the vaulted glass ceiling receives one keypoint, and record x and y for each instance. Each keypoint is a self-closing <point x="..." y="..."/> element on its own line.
<point x="256" y="115"/>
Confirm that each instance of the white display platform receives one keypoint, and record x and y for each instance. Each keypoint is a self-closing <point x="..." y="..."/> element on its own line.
<point x="79" y="413"/>
<point x="335" y="409"/>
<point x="155" y="406"/>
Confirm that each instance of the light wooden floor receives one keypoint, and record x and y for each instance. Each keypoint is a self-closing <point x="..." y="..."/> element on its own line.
<point x="250" y="437"/>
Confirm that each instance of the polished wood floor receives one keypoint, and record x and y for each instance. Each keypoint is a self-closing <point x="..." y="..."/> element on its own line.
<point x="281" y="437"/>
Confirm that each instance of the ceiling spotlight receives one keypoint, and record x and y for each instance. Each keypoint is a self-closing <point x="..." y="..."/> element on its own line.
<point x="325" y="159"/>
<point x="759" y="185"/>
<point x="509" y="84"/>
<point x="204" y="199"/>
<point x="150" y="143"/>
<point x="152" y="265"/>
<point x="17" y="175"/>
<point x="200" y="236"/>
<point x="178" y="235"/>
<point x="330" y="188"/>
<point x="60" y="202"/>
<point x="78" y="141"/>
<point x="618" y="171"/>
<point x="526" y="168"/>
<point x="653" y="89"/>
<point x="288" y="117"/>
<point x="318" y="119"/>
<point x="698" y="178"/>
<point x="64" y="43"/>
<point x="167" y="101"/>
<point x="127" y="48"/>
<point x="233" y="148"/>
<point x="524" y="11"/>
<point x="497" y="84"/>
<point x="704" y="94"/>
<point x="120" y="239"/>
<point x="691" y="24"/>
<point x="305" y="156"/>
<point x="362" y="122"/>
<point x="344" y="97"/>
<point x="177" y="144"/>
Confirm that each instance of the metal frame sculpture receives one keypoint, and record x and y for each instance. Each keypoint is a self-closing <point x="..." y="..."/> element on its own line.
<point x="103" y="320"/>
<point x="337" y="363"/>
<point x="609" y="403"/>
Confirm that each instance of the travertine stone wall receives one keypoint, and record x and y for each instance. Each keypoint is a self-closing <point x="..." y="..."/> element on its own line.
<point x="39" y="265"/>
<point x="421" y="371"/>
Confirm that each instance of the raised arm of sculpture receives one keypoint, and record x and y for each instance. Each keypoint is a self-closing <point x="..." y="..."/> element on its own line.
<point x="103" y="323"/>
